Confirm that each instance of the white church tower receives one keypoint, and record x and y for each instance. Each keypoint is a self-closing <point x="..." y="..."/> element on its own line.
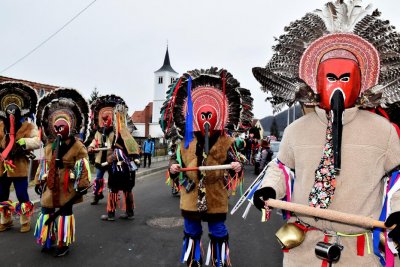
<point x="162" y="79"/>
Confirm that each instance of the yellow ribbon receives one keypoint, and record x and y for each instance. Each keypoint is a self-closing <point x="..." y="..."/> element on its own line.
<point x="356" y="235"/>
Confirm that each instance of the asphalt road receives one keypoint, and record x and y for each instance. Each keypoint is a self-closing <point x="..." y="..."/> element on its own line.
<point x="148" y="240"/>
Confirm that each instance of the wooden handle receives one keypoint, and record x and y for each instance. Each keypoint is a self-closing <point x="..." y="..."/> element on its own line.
<point x="327" y="214"/>
<point x="207" y="168"/>
<point x="101" y="149"/>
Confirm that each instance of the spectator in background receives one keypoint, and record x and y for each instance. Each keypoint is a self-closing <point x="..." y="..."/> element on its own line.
<point x="148" y="150"/>
<point x="266" y="154"/>
<point x="250" y="146"/>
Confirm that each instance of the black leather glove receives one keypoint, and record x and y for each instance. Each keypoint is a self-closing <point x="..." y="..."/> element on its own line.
<point x="262" y="195"/>
<point x="38" y="189"/>
<point x="393" y="219"/>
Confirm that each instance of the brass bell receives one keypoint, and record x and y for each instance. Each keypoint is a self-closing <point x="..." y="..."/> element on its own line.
<point x="71" y="175"/>
<point x="44" y="177"/>
<point x="119" y="163"/>
<point x="290" y="236"/>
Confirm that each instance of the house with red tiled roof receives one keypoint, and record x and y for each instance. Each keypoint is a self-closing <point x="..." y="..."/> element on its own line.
<point x="142" y="120"/>
<point x="40" y="88"/>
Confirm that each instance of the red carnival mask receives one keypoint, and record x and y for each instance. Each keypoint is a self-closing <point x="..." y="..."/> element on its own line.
<point x="107" y="120"/>
<point x="207" y="115"/>
<point x="61" y="127"/>
<point x="338" y="74"/>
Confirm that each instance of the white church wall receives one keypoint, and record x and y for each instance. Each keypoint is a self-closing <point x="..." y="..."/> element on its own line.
<point x="140" y="132"/>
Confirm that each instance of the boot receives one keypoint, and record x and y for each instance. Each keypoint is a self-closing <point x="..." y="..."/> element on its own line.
<point x="61" y="251"/>
<point x="195" y="258"/>
<point x="26" y="227"/>
<point x="98" y="191"/>
<point x="96" y="199"/>
<point x="6" y="221"/>
<point x="6" y="226"/>
<point x="219" y="248"/>
<point x="129" y="215"/>
<point x="25" y="223"/>
<point x="110" y="216"/>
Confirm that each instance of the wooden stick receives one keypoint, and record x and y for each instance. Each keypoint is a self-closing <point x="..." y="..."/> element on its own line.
<point x="101" y="149"/>
<point x="207" y="168"/>
<point x="327" y="214"/>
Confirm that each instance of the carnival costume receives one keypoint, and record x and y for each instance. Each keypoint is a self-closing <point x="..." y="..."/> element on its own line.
<point x="102" y="136"/>
<point x="63" y="175"/>
<point x="121" y="165"/>
<point x="18" y="137"/>
<point x="344" y="60"/>
<point x="200" y="106"/>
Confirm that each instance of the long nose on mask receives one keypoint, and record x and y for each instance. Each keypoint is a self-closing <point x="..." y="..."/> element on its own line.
<point x="10" y="145"/>
<point x="206" y="137"/>
<point x="337" y="109"/>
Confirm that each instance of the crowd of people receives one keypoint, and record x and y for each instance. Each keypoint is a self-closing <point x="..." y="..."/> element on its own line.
<point x="64" y="175"/>
<point x="256" y="152"/>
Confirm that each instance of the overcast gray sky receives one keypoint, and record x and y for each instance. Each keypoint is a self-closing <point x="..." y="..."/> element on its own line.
<point x="116" y="45"/>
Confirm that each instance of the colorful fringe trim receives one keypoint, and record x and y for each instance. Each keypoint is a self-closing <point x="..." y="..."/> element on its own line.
<point x="129" y="201"/>
<point x="170" y="182"/>
<point x="7" y="206"/>
<point x="45" y="234"/>
<point x="113" y="201"/>
<point x="82" y="168"/>
<point x="42" y="170"/>
<point x="218" y="251"/>
<point x="98" y="186"/>
<point x="66" y="230"/>
<point x="191" y="249"/>
<point x="25" y="208"/>
<point x="235" y="182"/>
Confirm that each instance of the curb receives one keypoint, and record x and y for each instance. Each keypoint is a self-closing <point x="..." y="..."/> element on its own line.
<point x="149" y="171"/>
<point x="140" y="174"/>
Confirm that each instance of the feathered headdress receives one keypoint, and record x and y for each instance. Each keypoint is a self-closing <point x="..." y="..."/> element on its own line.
<point x="105" y="105"/>
<point x="121" y="129"/>
<point x="68" y="104"/>
<point x="213" y="86"/>
<point x="290" y="73"/>
<point x="20" y="94"/>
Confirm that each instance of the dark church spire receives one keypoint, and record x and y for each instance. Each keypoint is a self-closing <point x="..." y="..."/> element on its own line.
<point x="167" y="65"/>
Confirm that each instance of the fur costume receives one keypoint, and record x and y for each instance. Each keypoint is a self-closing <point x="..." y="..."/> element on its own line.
<point x="64" y="172"/>
<point x="200" y="106"/>
<point x="18" y="137"/>
<point x="122" y="158"/>
<point x="105" y="126"/>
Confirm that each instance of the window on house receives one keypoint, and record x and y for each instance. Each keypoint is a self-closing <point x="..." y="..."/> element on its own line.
<point x="41" y="92"/>
<point x="160" y="80"/>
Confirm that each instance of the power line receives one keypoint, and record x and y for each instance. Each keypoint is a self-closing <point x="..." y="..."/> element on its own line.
<point x="47" y="39"/>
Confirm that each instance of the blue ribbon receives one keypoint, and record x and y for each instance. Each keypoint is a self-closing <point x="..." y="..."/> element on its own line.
<point x="184" y="247"/>
<point x="197" y="250"/>
<point x="189" y="115"/>
<point x="256" y="186"/>
<point x="218" y="254"/>
<point x="382" y="217"/>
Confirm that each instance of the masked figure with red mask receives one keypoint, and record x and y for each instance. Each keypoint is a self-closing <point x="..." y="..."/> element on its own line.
<point x="63" y="175"/>
<point x="112" y="127"/>
<point x="338" y="67"/>
<point x="18" y="137"/>
<point x="102" y="113"/>
<point x="201" y="105"/>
